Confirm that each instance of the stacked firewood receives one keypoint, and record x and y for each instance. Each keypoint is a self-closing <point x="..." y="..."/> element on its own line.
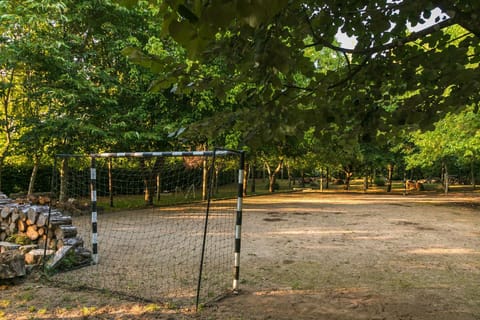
<point x="37" y="225"/>
<point x="31" y="221"/>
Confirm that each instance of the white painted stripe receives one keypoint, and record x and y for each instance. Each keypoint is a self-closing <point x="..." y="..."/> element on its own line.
<point x="93" y="195"/>
<point x="94" y="237"/>
<point x="177" y="153"/>
<point x="238" y="231"/>
<point x="93" y="173"/>
<point x="240" y="176"/>
<point x="239" y="204"/>
<point x="237" y="259"/>
<point x="95" y="258"/>
<point x="94" y="216"/>
<point x="235" y="284"/>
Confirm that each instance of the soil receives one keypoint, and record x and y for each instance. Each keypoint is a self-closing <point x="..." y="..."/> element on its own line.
<point x="318" y="255"/>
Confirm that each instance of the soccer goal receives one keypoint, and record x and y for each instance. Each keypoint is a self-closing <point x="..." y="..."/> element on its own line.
<point x="158" y="226"/>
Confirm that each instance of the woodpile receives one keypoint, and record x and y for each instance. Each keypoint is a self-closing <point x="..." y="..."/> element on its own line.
<point x="25" y="223"/>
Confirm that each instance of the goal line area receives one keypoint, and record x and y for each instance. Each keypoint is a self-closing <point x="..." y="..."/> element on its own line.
<point x="157" y="226"/>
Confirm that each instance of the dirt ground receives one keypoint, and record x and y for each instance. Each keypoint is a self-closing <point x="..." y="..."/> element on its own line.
<point x="313" y="255"/>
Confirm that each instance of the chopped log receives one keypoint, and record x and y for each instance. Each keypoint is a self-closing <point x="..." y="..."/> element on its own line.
<point x="41" y="231"/>
<point x="35" y="256"/>
<point x="32" y="215"/>
<point x="60" y="220"/>
<point x="42" y="219"/>
<point x="12" y="228"/>
<point x="15" y="215"/>
<point x="59" y="256"/>
<point x="21" y="225"/>
<point x="32" y="232"/>
<point x="65" y="232"/>
<point x="6" y="211"/>
<point x="12" y="265"/>
<point x="27" y="248"/>
<point x="5" y="246"/>
<point x="41" y="241"/>
<point x="43" y="200"/>
<point x="22" y="214"/>
<point x="3" y="236"/>
<point x="73" y="242"/>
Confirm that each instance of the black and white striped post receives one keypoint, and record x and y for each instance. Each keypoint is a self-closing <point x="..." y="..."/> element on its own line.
<point x="93" y="198"/>
<point x="238" y="223"/>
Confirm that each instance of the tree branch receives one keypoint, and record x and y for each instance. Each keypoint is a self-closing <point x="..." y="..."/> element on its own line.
<point x="376" y="49"/>
<point x="351" y="74"/>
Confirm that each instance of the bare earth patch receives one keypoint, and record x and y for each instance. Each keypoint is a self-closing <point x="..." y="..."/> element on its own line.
<point x="312" y="255"/>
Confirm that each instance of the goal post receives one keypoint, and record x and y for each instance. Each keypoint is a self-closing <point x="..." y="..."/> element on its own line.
<point x="150" y="232"/>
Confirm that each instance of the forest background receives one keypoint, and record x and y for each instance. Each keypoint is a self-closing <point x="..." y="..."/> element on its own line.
<point x="265" y="76"/>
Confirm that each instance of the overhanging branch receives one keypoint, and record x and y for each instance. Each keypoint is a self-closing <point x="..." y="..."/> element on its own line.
<point x="319" y="41"/>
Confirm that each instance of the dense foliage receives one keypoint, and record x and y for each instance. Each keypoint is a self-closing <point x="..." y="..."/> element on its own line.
<point x="268" y="76"/>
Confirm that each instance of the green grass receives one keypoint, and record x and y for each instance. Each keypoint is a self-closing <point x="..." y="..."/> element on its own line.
<point x="129" y="202"/>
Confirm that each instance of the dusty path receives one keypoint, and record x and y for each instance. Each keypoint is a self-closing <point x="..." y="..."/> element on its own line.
<point x="321" y="256"/>
<point x="354" y="256"/>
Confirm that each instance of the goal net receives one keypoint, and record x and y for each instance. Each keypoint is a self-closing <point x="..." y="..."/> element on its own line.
<point x="158" y="226"/>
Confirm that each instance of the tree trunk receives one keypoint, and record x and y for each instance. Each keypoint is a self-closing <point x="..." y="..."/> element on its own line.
<point x="252" y="185"/>
<point x="390" y="168"/>
<point x="272" y="175"/>
<point x="348" y="175"/>
<point x="327" y="178"/>
<point x="472" y="172"/>
<point x="149" y="179"/>
<point x="289" y="173"/>
<point x="33" y="176"/>
<point x="204" y="179"/>
<point x="245" y="179"/>
<point x="6" y="122"/>
<point x="446" y="178"/>
<point x="110" y="182"/>
<point x="321" y="180"/>
<point x="159" y="186"/>
<point x="63" y="180"/>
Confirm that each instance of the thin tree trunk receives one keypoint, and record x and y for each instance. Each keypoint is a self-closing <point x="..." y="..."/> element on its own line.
<point x="6" y="123"/>
<point x="446" y="178"/>
<point x="390" y="169"/>
<point x="33" y="176"/>
<point x="149" y="179"/>
<point x="472" y="172"/>
<point x="252" y="185"/>
<point x="204" y="179"/>
<point x="327" y="178"/>
<point x="110" y="182"/>
<point x="159" y="185"/>
<point x="348" y="176"/>
<point x="321" y="180"/>
<point x="63" y="180"/>
<point x="289" y="173"/>
<point x="272" y="175"/>
<point x="245" y="178"/>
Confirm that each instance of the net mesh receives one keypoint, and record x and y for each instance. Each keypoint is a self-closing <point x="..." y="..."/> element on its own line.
<point x="152" y="214"/>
